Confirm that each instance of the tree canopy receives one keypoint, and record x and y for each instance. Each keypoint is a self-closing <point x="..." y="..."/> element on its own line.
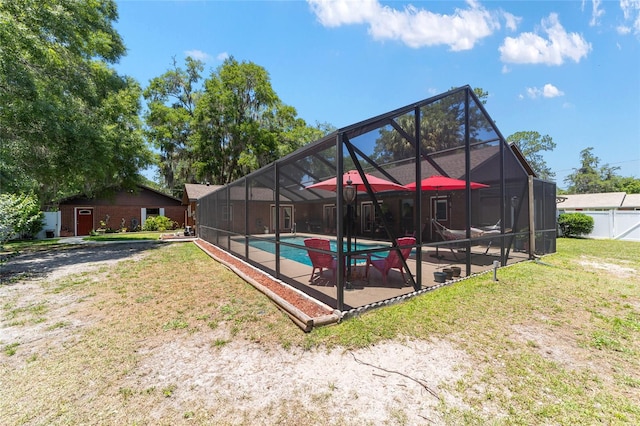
<point x="171" y="102"/>
<point x="68" y="122"/>
<point x="531" y="143"/>
<point x="591" y="178"/>
<point x="222" y="128"/>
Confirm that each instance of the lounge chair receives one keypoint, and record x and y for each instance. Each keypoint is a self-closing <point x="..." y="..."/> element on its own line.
<point x="320" y="261"/>
<point x="461" y="234"/>
<point x="392" y="260"/>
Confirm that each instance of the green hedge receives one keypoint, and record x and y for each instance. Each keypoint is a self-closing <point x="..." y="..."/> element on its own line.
<point x="158" y="223"/>
<point x="575" y="224"/>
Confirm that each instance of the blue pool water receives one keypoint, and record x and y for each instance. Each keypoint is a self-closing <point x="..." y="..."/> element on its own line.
<point x="300" y="254"/>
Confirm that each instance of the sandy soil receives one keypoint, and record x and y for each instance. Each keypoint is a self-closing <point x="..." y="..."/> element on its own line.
<point x="397" y="382"/>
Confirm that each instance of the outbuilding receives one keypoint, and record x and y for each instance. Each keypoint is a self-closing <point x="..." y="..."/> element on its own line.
<point x="118" y="209"/>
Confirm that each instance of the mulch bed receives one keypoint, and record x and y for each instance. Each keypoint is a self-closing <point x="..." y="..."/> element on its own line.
<point x="310" y="308"/>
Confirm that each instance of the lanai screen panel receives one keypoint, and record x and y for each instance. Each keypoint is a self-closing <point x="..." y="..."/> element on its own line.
<point x="223" y="219"/>
<point x="442" y="124"/>
<point x="516" y="204"/>
<point x="442" y="132"/>
<point x="386" y="150"/>
<point x="260" y="199"/>
<point x="545" y="216"/>
<point x="315" y="208"/>
<point x="234" y="215"/>
<point x="207" y="219"/>
<point x="486" y="149"/>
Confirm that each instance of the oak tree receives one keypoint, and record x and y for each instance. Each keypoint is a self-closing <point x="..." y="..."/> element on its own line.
<point x="68" y="122"/>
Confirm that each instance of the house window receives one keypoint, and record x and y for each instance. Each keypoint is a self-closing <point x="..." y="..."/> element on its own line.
<point x="284" y="219"/>
<point x="153" y="212"/>
<point x="368" y="217"/>
<point x="329" y="217"/>
<point x="440" y="207"/>
<point x="227" y="213"/>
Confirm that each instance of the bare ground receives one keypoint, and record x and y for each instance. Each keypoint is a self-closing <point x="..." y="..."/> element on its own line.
<point x="240" y="382"/>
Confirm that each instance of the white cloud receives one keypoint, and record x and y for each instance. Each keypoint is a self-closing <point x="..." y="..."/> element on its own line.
<point x="547" y="91"/>
<point x="551" y="91"/>
<point x="337" y="13"/>
<point x="198" y="54"/>
<point x="623" y="30"/>
<point x="533" y="92"/>
<point x="222" y="56"/>
<point x="631" y="11"/>
<point x="433" y="91"/>
<point x="530" y="48"/>
<point x="596" y="13"/>
<point x="512" y="21"/>
<point x="415" y="27"/>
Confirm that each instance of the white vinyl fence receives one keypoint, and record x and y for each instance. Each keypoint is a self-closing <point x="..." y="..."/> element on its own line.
<point x="615" y="224"/>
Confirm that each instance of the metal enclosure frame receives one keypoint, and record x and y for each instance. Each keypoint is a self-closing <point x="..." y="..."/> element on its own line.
<point x="450" y="134"/>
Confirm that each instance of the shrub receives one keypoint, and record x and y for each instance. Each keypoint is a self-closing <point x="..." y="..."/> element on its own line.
<point x="575" y="224"/>
<point x="20" y="215"/>
<point x="158" y="223"/>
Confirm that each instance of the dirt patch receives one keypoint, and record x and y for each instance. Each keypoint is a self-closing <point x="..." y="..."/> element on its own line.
<point x="563" y="349"/>
<point x="368" y="386"/>
<point x="621" y="271"/>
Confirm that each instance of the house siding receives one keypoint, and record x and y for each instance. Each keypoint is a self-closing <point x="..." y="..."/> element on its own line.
<point x="120" y="205"/>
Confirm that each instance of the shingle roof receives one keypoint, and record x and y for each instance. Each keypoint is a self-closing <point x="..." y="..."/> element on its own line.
<point x="195" y="191"/>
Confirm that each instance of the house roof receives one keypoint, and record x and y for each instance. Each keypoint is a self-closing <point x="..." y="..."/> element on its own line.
<point x="452" y="163"/>
<point x="520" y="156"/>
<point x="604" y="200"/>
<point x="195" y="191"/>
<point x="631" y="201"/>
<point x="108" y="194"/>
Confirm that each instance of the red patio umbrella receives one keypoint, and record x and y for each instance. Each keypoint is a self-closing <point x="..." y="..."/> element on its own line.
<point x="443" y="183"/>
<point x="377" y="184"/>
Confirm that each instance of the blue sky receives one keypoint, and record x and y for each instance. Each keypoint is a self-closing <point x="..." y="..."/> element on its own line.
<point x="567" y="69"/>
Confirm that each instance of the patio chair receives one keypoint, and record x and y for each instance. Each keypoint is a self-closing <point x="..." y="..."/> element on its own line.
<point x="319" y="260"/>
<point x="392" y="260"/>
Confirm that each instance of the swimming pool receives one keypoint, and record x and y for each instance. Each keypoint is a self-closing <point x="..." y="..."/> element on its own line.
<point x="300" y="254"/>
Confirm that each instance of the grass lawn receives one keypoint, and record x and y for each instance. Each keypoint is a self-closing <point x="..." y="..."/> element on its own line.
<point x="55" y="243"/>
<point x="555" y="341"/>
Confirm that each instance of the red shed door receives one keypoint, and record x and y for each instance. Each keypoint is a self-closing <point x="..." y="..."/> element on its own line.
<point x="84" y="221"/>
